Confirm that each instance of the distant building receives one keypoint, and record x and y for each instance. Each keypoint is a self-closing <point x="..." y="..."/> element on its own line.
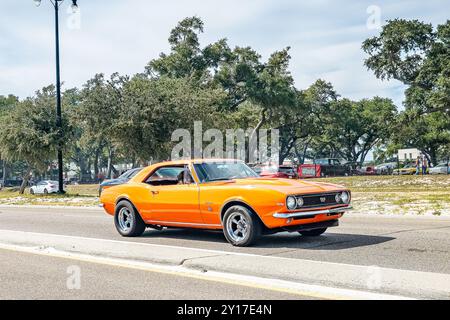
<point x="408" y="154"/>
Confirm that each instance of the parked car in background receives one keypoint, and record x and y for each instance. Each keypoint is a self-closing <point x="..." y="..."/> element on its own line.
<point x="308" y="171"/>
<point x="124" y="178"/>
<point x="441" y="168"/>
<point x="45" y="187"/>
<point x="330" y="167"/>
<point x="223" y="195"/>
<point x="255" y="167"/>
<point x="283" y="171"/>
<point x="289" y="171"/>
<point x="364" y="171"/>
<point x="407" y="169"/>
<point x="385" y="168"/>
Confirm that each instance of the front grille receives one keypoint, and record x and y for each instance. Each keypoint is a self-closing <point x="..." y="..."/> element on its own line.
<point x="319" y="200"/>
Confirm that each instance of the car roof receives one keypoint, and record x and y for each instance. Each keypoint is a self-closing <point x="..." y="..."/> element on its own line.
<point x="145" y="171"/>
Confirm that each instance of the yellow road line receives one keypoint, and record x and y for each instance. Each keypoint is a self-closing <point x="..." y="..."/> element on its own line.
<point x="165" y="270"/>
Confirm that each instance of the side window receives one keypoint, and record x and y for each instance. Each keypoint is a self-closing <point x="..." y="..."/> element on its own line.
<point x="187" y="177"/>
<point x="165" y="176"/>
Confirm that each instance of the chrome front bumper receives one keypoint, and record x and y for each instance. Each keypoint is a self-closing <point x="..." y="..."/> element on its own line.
<point x="311" y="213"/>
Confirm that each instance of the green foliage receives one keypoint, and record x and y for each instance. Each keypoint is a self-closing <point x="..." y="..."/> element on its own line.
<point x="153" y="108"/>
<point x="419" y="56"/>
<point x="124" y="119"/>
<point x="354" y="128"/>
<point x="29" y="131"/>
<point x="399" y="51"/>
<point x="429" y="133"/>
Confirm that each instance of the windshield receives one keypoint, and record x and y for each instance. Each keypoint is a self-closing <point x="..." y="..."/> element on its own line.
<point x="286" y="170"/>
<point x="217" y="171"/>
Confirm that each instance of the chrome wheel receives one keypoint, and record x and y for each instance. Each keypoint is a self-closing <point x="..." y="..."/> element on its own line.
<point x="125" y="219"/>
<point x="237" y="227"/>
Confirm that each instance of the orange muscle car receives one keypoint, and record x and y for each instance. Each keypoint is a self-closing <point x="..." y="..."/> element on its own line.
<point x="224" y="195"/>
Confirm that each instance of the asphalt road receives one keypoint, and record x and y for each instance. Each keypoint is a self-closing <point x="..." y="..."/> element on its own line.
<point x="410" y="243"/>
<point x="30" y="276"/>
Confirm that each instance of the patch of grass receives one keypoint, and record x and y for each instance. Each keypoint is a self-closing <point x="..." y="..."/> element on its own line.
<point x="391" y="183"/>
<point x="77" y="195"/>
<point x="83" y="189"/>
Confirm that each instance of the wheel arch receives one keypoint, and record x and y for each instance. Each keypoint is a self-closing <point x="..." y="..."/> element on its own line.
<point x="127" y="199"/>
<point x="239" y="202"/>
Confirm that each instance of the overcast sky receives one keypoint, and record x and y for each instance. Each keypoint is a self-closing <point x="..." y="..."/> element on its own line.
<point x="123" y="35"/>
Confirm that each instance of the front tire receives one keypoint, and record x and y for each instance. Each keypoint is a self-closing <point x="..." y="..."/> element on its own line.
<point x="241" y="227"/>
<point x="313" y="233"/>
<point x="32" y="191"/>
<point x="128" y="221"/>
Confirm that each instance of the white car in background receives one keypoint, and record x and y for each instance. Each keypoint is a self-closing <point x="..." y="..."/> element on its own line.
<point x="441" y="168"/>
<point x="385" y="168"/>
<point x="45" y="187"/>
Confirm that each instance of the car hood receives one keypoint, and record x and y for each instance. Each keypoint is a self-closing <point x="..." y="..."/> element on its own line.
<point x="286" y="186"/>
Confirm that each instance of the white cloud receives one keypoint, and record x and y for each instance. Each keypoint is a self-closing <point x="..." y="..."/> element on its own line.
<point x="123" y="36"/>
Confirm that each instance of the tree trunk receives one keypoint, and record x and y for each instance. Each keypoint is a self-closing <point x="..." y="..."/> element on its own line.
<point x="134" y="163"/>
<point x="254" y="135"/>
<point x="88" y="170"/>
<point x="96" y="166"/>
<point x="83" y="168"/>
<point x="4" y="171"/>
<point x="301" y="159"/>
<point x="110" y="157"/>
<point x="433" y="157"/>
<point x="25" y="181"/>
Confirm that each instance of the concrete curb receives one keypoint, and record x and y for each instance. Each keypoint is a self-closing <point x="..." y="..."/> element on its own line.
<point x="366" y="278"/>
<point x="12" y="206"/>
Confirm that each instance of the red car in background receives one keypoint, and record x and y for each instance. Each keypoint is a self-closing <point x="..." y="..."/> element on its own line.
<point x="283" y="171"/>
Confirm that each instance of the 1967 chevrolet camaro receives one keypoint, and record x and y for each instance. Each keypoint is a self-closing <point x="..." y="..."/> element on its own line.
<point x="224" y="195"/>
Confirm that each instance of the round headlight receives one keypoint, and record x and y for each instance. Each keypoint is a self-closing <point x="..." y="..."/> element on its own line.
<point x="291" y="203"/>
<point x="300" y="202"/>
<point x="338" y="198"/>
<point x="345" y="196"/>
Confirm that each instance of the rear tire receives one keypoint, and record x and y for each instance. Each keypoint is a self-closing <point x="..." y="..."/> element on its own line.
<point x="313" y="233"/>
<point x="45" y="191"/>
<point x="128" y="221"/>
<point x="241" y="226"/>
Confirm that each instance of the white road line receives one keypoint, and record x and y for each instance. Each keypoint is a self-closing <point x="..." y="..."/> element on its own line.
<point x="222" y="252"/>
<point x="288" y="287"/>
<point x="341" y="275"/>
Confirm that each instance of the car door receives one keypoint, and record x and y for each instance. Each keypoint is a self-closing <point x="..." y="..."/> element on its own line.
<point x="40" y="187"/>
<point x="173" y="203"/>
<point x="333" y="168"/>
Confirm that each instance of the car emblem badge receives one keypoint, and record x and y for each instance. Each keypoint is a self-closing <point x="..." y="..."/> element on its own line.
<point x="323" y="199"/>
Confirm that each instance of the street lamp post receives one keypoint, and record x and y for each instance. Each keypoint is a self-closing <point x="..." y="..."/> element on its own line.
<point x="56" y="4"/>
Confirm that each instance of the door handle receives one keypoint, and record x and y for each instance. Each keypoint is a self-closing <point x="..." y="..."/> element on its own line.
<point x="155" y="192"/>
